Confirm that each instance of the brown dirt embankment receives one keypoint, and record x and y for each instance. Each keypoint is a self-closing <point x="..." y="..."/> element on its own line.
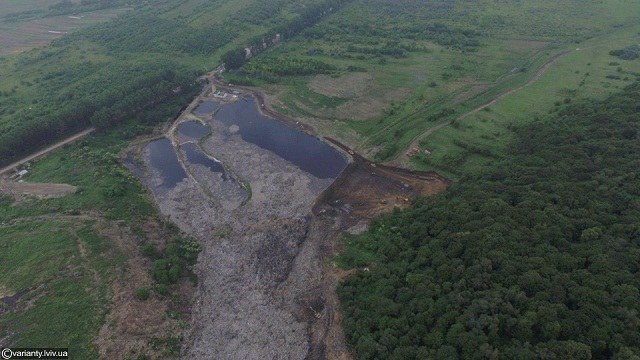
<point x="363" y="191"/>
<point x="366" y="189"/>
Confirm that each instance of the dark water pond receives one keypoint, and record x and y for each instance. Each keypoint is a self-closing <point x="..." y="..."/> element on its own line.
<point x="206" y="107"/>
<point x="164" y="159"/>
<point x="193" y="129"/>
<point x="195" y="156"/>
<point x="307" y="152"/>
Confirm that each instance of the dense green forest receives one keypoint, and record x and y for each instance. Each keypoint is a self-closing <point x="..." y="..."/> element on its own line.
<point x="537" y="257"/>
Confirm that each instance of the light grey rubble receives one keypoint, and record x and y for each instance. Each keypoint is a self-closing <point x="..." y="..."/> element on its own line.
<point x="258" y="271"/>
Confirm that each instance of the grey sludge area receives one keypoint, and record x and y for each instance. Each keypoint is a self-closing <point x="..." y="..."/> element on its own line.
<point x="259" y="269"/>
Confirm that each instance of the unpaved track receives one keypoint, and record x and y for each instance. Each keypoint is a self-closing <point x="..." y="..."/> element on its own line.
<point x="535" y="78"/>
<point x="402" y="158"/>
<point x="47" y="150"/>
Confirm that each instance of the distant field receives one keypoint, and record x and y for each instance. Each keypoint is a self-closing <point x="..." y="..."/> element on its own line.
<point x="10" y="7"/>
<point x="18" y="35"/>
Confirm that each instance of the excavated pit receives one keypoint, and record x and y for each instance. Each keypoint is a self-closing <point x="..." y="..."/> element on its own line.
<point x="266" y="284"/>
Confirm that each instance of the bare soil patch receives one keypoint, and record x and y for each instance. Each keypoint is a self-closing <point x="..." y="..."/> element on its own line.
<point x="367" y="99"/>
<point x="131" y="324"/>
<point x="368" y="107"/>
<point x="346" y="86"/>
<point x="42" y="190"/>
<point x="366" y="189"/>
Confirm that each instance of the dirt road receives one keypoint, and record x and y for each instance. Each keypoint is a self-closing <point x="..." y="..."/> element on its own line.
<point x="402" y="158"/>
<point x="47" y="150"/>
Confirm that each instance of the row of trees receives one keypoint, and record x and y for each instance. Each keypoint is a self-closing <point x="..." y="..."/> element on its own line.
<point x="308" y="16"/>
<point x="102" y="75"/>
<point x="271" y="69"/>
<point x="537" y="258"/>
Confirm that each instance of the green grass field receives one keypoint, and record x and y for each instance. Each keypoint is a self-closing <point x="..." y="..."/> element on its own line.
<point x="485" y="49"/>
<point x="54" y="251"/>
<point x="49" y="248"/>
<point x="67" y="295"/>
<point x="587" y="73"/>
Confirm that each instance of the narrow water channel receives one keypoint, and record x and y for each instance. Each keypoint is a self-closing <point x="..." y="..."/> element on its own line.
<point x="196" y="156"/>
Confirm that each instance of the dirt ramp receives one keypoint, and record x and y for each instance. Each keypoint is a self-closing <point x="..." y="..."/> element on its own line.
<point x="366" y="189"/>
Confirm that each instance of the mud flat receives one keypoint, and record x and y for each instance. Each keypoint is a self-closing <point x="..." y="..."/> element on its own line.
<point x="266" y="286"/>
